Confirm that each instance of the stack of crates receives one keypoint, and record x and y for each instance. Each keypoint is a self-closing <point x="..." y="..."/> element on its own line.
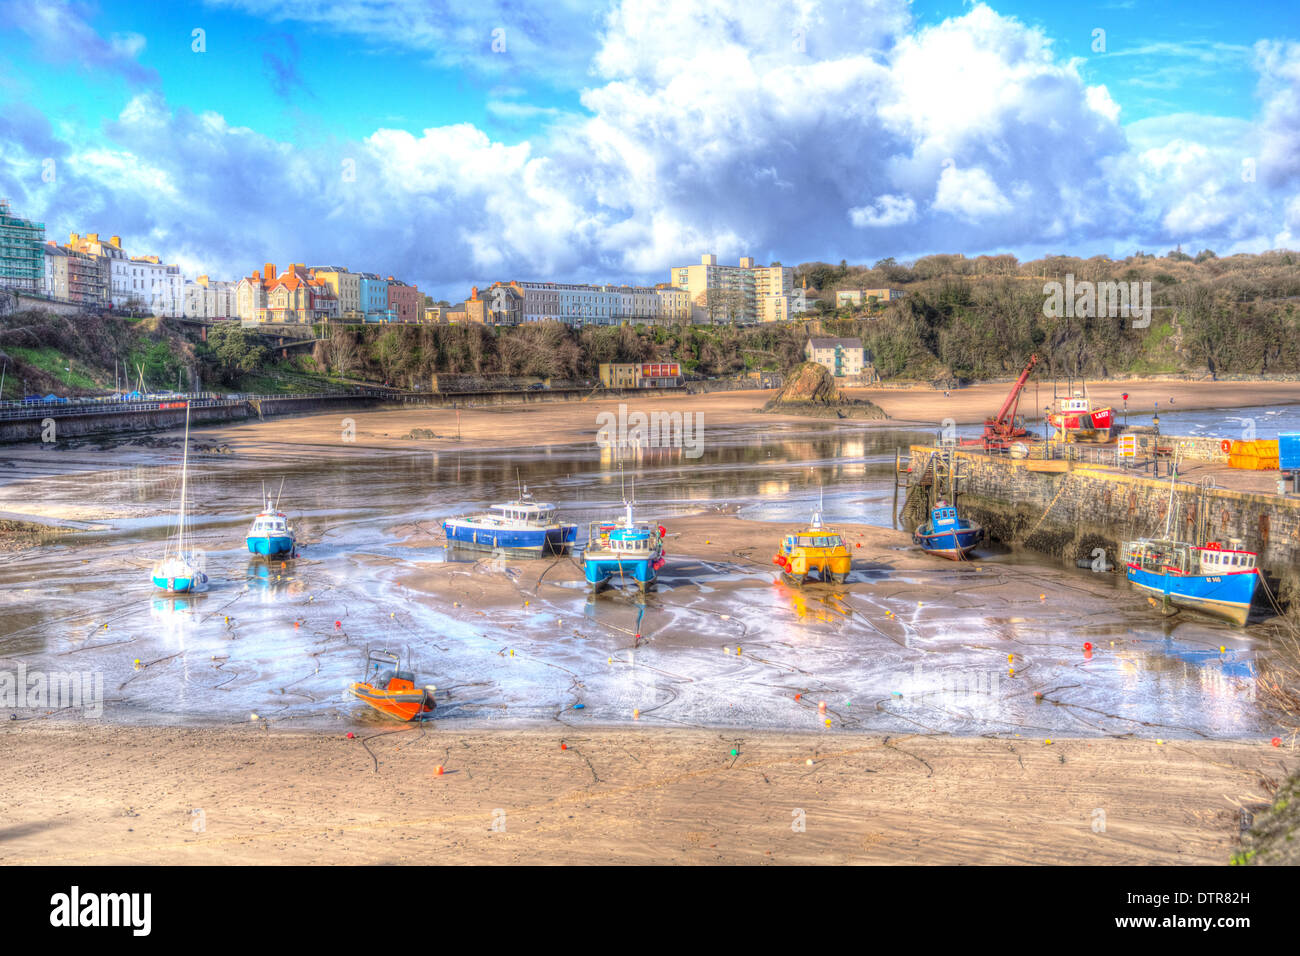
<point x="1254" y="455"/>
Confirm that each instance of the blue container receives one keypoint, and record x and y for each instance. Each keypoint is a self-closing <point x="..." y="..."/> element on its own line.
<point x="1288" y="451"/>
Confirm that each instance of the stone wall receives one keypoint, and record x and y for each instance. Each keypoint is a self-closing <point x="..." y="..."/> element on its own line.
<point x="1070" y="514"/>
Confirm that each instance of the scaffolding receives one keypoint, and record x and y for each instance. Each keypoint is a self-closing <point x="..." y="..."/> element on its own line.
<point x="22" y="252"/>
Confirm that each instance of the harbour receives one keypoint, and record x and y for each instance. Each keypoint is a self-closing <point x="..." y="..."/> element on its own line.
<point x="905" y="643"/>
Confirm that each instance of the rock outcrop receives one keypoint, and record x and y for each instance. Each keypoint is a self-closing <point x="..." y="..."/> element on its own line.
<point x="810" y="390"/>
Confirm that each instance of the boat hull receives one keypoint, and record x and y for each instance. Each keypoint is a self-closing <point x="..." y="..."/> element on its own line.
<point x="1099" y="419"/>
<point x="553" y="540"/>
<point x="269" y="544"/>
<point x="404" y="704"/>
<point x="181" y="584"/>
<point x="1226" y="596"/>
<point x="600" y="570"/>
<point x="954" y="545"/>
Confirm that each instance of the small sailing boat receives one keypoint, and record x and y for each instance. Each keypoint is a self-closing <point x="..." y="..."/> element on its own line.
<point x="522" y="525"/>
<point x="271" y="534"/>
<point x="180" y="570"/>
<point x="1209" y="578"/>
<point x="814" y="549"/>
<point x="946" y="534"/>
<point x="390" y="690"/>
<point x="623" y="549"/>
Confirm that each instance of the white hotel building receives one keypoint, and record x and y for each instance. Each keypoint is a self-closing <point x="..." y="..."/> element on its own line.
<point x="578" y="304"/>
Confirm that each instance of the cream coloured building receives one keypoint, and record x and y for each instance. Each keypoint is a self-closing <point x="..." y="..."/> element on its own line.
<point x="744" y="293"/>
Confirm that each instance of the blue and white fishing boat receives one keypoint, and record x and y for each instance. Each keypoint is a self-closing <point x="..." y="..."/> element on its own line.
<point x="270" y="534"/>
<point x="180" y="569"/>
<point x="1210" y="578"/>
<point x="522" y="525"/>
<point x="623" y="549"/>
<point x="948" y="535"/>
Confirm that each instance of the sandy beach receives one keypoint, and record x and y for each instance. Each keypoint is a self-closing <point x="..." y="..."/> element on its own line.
<point x="596" y="785"/>
<point x="567" y="422"/>
<point x="97" y="794"/>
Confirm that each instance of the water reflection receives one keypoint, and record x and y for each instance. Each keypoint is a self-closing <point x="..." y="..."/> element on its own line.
<point x="282" y="638"/>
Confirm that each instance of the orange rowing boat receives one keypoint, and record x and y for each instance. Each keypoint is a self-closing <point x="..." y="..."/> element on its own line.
<point x="392" y="691"/>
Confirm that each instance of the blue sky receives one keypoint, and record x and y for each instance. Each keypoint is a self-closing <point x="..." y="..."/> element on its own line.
<point x="608" y="142"/>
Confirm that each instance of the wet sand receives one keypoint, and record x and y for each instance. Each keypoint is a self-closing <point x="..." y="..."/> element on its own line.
<point x="557" y="423"/>
<point x="95" y="794"/>
<point x="662" y="788"/>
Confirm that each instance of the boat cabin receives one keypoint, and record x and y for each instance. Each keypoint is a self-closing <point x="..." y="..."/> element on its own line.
<point x="943" y="517"/>
<point x="524" y="512"/>
<point x="1076" y="404"/>
<point x="270" y="524"/>
<point x="793" y="541"/>
<point x="1215" y="559"/>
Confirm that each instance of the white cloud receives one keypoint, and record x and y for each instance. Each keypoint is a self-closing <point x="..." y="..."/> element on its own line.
<point x="792" y="130"/>
<point x="886" y="211"/>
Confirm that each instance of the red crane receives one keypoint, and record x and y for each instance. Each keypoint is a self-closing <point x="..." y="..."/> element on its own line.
<point x="1004" y="428"/>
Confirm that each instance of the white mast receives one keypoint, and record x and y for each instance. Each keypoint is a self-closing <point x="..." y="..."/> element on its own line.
<point x="185" y="460"/>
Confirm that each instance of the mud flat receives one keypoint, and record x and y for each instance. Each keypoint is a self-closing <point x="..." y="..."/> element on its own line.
<point x="89" y="793"/>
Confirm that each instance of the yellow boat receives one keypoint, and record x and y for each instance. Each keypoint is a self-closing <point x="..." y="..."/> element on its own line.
<point x="814" y="548"/>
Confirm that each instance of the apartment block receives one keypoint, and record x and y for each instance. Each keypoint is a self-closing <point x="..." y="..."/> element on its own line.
<point x="745" y="293"/>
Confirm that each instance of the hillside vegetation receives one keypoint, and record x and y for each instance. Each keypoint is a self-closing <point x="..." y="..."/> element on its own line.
<point x="959" y="319"/>
<point x="980" y="318"/>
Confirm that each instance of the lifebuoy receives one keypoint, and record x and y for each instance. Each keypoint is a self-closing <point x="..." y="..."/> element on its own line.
<point x="1225" y="446"/>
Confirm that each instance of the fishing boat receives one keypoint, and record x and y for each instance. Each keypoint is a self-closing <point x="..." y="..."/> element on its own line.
<point x="391" y="690"/>
<point x="1077" y="420"/>
<point x="180" y="570"/>
<point x="623" y="549"/>
<point x="814" y="549"/>
<point x="946" y="534"/>
<point x="1210" y="578"/>
<point x="270" y="533"/>
<point x="522" y="525"/>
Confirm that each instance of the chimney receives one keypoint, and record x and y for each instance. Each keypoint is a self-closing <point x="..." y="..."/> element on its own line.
<point x="115" y="241"/>
<point x="269" y="271"/>
<point x="73" y="238"/>
<point x="708" y="259"/>
<point x="473" y="294"/>
<point x="93" y="236"/>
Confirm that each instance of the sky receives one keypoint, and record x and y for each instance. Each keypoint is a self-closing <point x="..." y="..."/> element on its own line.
<point x="460" y="142"/>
